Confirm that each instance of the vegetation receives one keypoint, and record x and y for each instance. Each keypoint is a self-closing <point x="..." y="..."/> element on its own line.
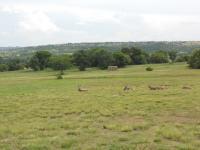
<point x="194" y="60"/>
<point x="149" y="69"/>
<point x="137" y="55"/>
<point x="38" y="111"/>
<point x="159" y="57"/>
<point x="80" y="59"/>
<point x="40" y="60"/>
<point x="3" y="67"/>
<point x="96" y="57"/>
<point x="61" y="62"/>
<point x="24" y="52"/>
<point x="121" y="59"/>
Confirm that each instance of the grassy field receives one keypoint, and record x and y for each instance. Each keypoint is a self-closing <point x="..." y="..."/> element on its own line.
<point x="38" y="112"/>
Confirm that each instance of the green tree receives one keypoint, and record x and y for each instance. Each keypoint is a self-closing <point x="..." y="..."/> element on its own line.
<point x="194" y="60"/>
<point x="3" y="67"/>
<point x="137" y="55"/>
<point x="60" y="62"/>
<point x="172" y="55"/>
<point x="121" y="59"/>
<point x="14" y="64"/>
<point x="182" y="58"/>
<point x="103" y="58"/>
<point x="159" y="57"/>
<point x="80" y="58"/>
<point x="40" y="60"/>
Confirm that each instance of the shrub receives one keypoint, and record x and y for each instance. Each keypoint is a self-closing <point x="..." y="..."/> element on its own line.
<point x="194" y="60"/>
<point x="59" y="77"/>
<point x="3" y="67"/>
<point x="149" y="69"/>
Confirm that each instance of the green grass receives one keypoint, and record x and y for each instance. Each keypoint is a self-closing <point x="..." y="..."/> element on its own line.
<point x="39" y="112"/>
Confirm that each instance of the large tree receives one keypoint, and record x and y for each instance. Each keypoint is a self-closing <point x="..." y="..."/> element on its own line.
<point x="80" y="58"/>
<point x="121" y="59"/>
<point x="40" y="60"/>
<point x="103" y="58"/>
<point x="136" y="54"/>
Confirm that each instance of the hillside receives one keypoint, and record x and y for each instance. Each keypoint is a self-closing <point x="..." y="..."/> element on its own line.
<point x="182" y="47"/>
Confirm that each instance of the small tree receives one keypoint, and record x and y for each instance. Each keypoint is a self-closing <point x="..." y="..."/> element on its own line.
<point x="14" y="64"/>
<point x="3" y="67"/>
<point x="182" y="58"/>
<point x="80" y="58"/>
<point x="172" y="55"/>
<point x="61" y="62"/>
<point x="194" y="60"/>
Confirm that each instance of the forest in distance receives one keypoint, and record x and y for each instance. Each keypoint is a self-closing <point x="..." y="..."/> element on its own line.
<point x="179" y="46"/>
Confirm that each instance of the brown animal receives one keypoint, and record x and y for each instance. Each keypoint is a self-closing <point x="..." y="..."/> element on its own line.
<point x="156" y="87"/>
<point x="80" y="89"/>
<point x="127" y="88"/>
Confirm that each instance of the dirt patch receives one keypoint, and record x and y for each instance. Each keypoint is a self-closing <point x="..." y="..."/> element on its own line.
<point x="180" y="119"/>
<point x="127" y="119"/>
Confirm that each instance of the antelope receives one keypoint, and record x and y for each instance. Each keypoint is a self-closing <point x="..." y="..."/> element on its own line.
<point x="127" y="88"/>
<point x="80" y="89"/>
<point x="156" y="87"/>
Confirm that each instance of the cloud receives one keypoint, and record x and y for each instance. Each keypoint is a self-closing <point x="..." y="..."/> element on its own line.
<point x="43" y="22"/>
<point x="38" y="21"/>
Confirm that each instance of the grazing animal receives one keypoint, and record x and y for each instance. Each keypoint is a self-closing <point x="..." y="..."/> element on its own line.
<point x="80" y="89"/>
<point x="156" y="87"/>
<point x="127" y="88"/>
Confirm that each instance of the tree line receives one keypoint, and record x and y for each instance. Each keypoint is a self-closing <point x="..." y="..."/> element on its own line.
<point x="99" y="58"/>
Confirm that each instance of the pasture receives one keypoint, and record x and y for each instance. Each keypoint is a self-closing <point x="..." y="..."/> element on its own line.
<point x="39" y="112"/>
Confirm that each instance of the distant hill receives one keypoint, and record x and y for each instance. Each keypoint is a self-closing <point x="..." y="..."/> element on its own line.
<point x="181" y="47"/>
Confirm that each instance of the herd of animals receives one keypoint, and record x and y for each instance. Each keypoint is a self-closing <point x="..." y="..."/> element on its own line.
<point x="127" y="88"/>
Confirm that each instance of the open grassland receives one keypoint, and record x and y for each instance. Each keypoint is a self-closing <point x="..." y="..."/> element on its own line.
<point x="38" y="112"/>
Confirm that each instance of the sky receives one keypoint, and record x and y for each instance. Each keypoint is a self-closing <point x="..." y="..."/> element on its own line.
<point x="41" y="22"/>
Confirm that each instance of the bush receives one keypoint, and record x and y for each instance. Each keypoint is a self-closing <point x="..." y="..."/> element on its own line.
<point x="159" y="57"/>
<point x="15" y="64"/>
<point x="59" y="77"/>
<point x="3" y="67"/>
<point x="182" y="58"/>
<point x="194" y="60"/>
<point x="149" y="69"/>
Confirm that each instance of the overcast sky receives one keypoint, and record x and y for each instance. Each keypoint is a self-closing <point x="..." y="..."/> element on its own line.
<point x="38" y="22"/>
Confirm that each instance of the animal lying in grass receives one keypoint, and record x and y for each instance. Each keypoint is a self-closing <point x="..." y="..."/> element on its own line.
<point x="127" y="88"/>
<point x="80" y="89"/>
<point x="156" y="87"/>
